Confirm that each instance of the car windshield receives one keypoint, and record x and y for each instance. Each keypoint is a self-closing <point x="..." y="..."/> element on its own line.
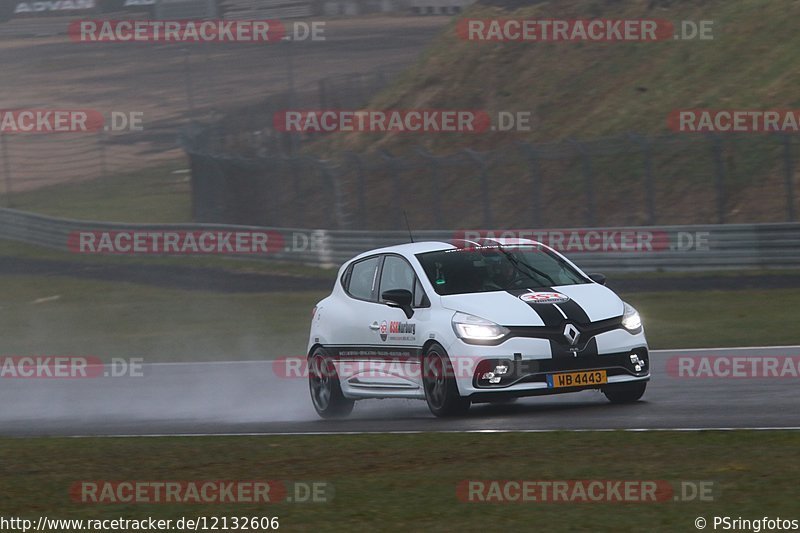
<point x="496" y="268"/>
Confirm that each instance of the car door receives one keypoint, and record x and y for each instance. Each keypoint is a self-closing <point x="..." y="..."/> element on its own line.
<point x="377" y="345"/>
<point x="401" y="337"/>
<point x="363" y="359"/>
<point x="360" y="308"/>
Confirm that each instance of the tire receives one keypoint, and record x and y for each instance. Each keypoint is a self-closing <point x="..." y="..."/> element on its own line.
<point x="325" y="388"/>
<point x="626" y="392"/>
<point x="439" y="382"/>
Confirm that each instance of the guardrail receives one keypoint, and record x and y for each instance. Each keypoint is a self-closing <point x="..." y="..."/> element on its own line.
<point x="673" y="248"/>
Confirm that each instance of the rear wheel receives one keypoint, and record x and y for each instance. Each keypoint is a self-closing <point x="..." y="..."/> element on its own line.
<point x="625" y="392"/>
<point x="325" y="388"/>
<point x="438" y="379"/>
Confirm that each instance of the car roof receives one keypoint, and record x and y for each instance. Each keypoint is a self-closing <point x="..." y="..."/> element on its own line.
<point x="410" y="249"/>
<point x="413" y="248"/>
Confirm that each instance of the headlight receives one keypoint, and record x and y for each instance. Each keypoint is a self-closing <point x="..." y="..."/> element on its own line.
<point x="630" y="318"/>
<point x="474" y="328"/>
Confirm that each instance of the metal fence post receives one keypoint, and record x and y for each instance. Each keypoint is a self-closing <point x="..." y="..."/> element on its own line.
<point x="788" y="165"/>
<point x="187" y="80"/>
<point x="535" y="168"/>
<point x="361" y="186"/>
<point x="649" y="194"/>
<point x="381" y="75"/>
<point x="719" y="177"/>
<point x="338" y="218"/>
<point x="102" y="150"/>
<point x="6" y="168"/>
<point x="356" y="88"/>
<point x="323" y="95"/>
<point x="299" y="200"/>
<point x="290" y="82"/>
<point x="392" y="167"/>
<point x="268" y="166"/>
<point x="437" y="185"/>
<point x="488" y="219"/>
<point x="588" y="180"/>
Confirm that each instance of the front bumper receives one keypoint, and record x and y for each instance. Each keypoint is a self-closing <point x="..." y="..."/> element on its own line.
<point x="529" y="361"/>
<point x="529" y="377"/>
<point x="634" y="363"/>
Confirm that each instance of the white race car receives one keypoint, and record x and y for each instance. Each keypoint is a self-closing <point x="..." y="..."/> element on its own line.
<point x="468" y="322"/>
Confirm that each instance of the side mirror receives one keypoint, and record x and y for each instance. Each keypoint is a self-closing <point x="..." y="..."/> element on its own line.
<point x="399" y="298"/>
<point x="598" y="278"/>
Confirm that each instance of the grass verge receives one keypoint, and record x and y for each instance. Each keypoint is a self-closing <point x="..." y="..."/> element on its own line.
<point x="58" y="315"/>
<point x="400" y="482"/>
<point x="54" y="315"/>
<point x="712" y="319"/>
<point x="160" y="194"/>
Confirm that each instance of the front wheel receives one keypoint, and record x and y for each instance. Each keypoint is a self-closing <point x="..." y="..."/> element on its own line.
<point x="625" y="392"/>
<point x="439" y="382"/>
<point x="325" y="388"/>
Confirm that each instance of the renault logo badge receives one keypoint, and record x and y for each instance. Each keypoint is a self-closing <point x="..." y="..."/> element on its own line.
<point x="572" y="334"/>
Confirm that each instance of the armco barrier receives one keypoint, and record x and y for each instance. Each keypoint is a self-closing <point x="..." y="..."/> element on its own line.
<point x="675" y="248"/>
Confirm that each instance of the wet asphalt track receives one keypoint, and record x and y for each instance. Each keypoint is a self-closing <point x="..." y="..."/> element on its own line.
<point x="247" y="398"/>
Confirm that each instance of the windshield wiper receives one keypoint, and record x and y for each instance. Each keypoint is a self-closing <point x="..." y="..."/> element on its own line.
<point x="517" y="263"/>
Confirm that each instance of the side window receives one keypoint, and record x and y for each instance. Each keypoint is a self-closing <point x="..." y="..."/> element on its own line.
<point x="398" y="274"/>
<point x="362" y="278"/>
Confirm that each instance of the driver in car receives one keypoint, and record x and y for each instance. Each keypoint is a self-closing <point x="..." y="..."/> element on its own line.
<point x="501" y="273"/>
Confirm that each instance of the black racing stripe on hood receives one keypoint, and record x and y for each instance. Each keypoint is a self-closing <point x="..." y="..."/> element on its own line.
<point x="574" y="312"/>
<point x="547" y="312"/>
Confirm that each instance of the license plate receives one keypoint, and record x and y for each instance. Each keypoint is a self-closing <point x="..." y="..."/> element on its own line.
<point x="577" y="379"/>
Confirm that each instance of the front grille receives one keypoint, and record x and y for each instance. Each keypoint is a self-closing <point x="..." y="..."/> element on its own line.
<point x="556" y="333"/>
